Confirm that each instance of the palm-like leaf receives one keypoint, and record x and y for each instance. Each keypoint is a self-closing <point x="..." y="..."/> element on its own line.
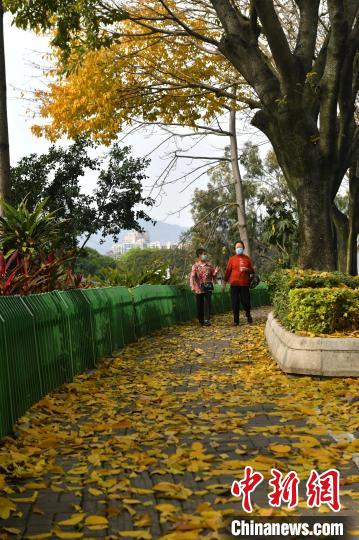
<point x="28" y="232"/>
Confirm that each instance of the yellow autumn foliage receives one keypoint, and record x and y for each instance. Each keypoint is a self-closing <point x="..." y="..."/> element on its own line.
<point x="143" y="77"/>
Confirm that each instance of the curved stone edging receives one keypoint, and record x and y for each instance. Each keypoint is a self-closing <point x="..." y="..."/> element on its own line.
<point x="330" y="357"/>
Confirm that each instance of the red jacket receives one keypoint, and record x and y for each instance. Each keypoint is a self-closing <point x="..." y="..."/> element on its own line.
<point x="234" y="273"/>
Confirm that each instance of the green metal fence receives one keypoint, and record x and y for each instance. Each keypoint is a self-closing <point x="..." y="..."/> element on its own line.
<point x="46" y="339"/>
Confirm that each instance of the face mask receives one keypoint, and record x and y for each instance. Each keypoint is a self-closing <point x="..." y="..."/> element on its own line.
<point x="204" y="257"/>
<point x="239" y="250"/>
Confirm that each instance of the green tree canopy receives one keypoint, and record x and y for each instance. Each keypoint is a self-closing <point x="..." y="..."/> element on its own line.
<point x="116" y="202"/>
<point x="90" y="262"/>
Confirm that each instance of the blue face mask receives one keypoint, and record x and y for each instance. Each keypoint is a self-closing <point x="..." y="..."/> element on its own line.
<point x="204" y="257"/>
<point x="239" y="250"/>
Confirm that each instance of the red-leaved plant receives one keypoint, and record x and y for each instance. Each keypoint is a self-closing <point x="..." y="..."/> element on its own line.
<point x="23" y="274"/>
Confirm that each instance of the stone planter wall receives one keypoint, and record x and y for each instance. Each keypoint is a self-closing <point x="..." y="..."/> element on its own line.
<point x="330" y="357"/>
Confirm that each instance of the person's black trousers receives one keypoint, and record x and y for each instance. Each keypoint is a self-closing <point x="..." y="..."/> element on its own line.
<point x="204" y="306"/>
<point x="240" y="295"/>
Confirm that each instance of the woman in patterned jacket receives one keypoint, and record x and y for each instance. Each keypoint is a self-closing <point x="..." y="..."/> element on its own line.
<point x="202" y="277"/>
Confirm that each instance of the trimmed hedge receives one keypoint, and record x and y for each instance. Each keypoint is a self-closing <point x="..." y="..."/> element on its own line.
<point x="319" y="302"/>
<point x="323" y="310"/>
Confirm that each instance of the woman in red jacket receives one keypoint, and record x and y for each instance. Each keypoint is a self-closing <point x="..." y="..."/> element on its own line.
<point x="238" y="272"/>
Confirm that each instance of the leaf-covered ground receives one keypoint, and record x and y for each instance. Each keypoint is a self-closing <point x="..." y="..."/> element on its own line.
<point x="147" y="446"/>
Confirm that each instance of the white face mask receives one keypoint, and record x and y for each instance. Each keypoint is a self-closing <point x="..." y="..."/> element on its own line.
<point x="239" y="250"/>
<point x="204" y="257"/>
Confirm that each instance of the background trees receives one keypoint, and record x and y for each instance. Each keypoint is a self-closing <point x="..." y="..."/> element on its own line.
<point x="271" y="212"/>
<point x="115" y="204"/>
<point x="148" y="265"/>
<point x="92" y="263"/>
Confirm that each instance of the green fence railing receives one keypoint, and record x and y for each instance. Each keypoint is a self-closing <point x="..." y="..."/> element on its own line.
<point x="46" y="339"/>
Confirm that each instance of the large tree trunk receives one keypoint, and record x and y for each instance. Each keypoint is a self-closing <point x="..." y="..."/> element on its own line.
<point x="4" y="134"/>
<point x="316" y="239"/>
<point x="309" y="180"/>
<point x="241" y="207"/>
<point x="341" y="224"/>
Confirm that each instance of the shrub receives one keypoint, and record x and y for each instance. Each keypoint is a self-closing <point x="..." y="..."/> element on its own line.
<point x="310" y="300"/>
<point x="30" y="259"/>
<point x="23" y="274"/>
<point x="28" y="232"/>
<point x="323" y="310"/>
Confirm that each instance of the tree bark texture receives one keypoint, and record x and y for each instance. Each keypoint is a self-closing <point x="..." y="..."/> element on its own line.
<point x="341" y="224"/>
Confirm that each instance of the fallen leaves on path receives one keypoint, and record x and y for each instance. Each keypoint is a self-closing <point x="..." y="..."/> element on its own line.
<point x="147" y="445"/>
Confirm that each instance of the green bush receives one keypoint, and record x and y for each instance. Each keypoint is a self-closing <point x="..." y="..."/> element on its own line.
<point x="323" y="310"/>
<point x="315" y="301"/>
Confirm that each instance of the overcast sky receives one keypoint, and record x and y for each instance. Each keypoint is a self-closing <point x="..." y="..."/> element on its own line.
<point x="25" y="51"/>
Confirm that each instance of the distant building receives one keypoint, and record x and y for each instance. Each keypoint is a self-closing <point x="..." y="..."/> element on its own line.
<point x="135" y="239"/>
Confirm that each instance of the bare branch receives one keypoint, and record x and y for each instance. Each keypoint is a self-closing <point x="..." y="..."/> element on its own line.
<point x="189" y="30"/>
<point x="213" y="158"/>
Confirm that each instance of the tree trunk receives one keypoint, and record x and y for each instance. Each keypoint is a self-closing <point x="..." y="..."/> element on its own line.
<point x="4" y="134"/>
<point x="352" y="243"/>
<point x="341" y="224"/>
<point x="241" y="207"/>
<point x="352" y="252"/>
<point x="310" y="179"/>
<point x="316" y="239"/>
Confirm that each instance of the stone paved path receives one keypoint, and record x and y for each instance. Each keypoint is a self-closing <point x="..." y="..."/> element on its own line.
<point x="152" y="440"/>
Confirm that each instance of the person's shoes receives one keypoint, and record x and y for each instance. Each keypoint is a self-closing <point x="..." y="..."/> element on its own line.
<point x="249" y="319"/>
<point x="207" y="323"/>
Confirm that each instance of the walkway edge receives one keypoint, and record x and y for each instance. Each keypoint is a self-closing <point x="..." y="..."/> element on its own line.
<point x="329" y="357"/>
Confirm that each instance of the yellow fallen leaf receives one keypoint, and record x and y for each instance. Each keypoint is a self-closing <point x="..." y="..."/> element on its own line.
<point x="68" y="535"/>
<point x="168" y="508"/>
<point x="2" y="482"/>
<point x="74" y="520"/>
<point x="78" y="470"/>
<point x="141" y="535"/>
<point x="37" y="510"/>
<point x="173" y="491"/>
<point x="191" y="523"/>
<point x="280" y="448"/>
<point x="11" y="530"/>
<point x="197" y="446"/>
<point x="323" y="510"/>
<point x="6" y="507"/>
<point x="95" y="492"/>
<point x="34" y="485"/>
<point x="182" y="535"/>
<point x="96" y="520"/>
<point x="26" y="499"/>
<point x="143" y="521"/>
<point x="41" y="536"/>
<point x="265" y="512"/>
